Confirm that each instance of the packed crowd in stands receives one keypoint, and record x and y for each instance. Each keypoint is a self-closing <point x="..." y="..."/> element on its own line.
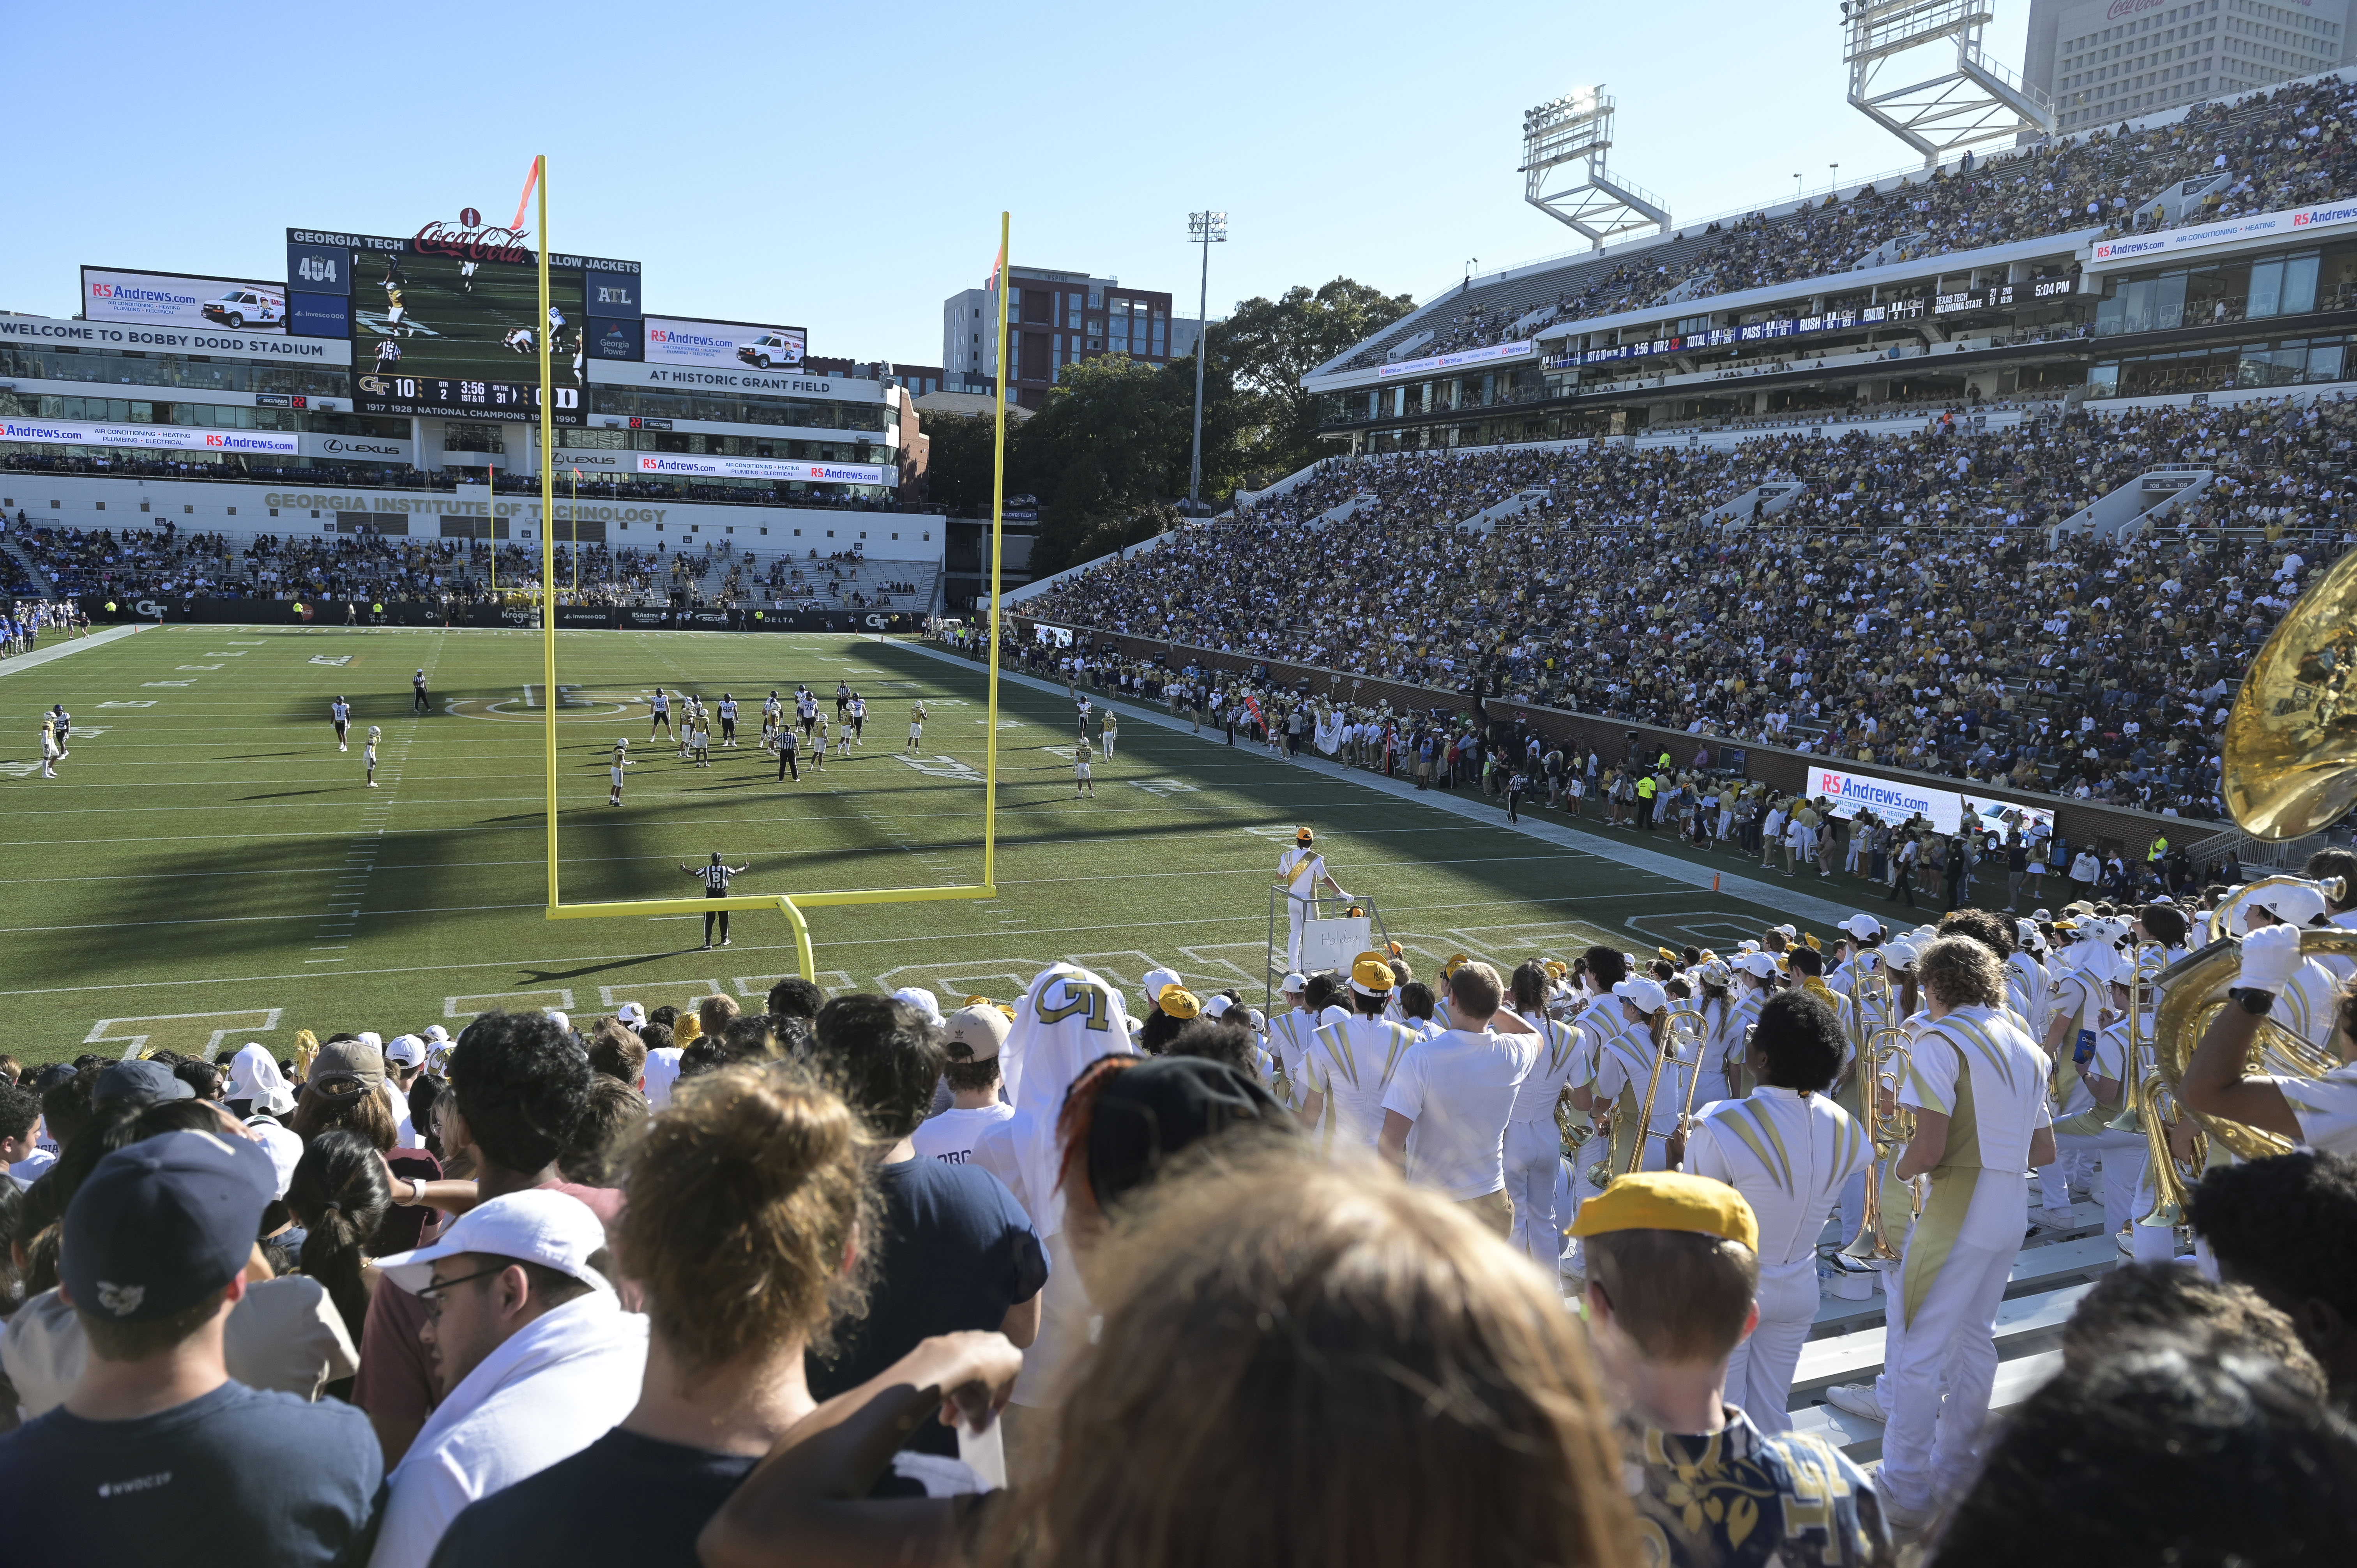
<point x="165" y="563"/>
<point x="400" y="476"/>
<point x="1055" y="1275"/>
<point x="2288" y="148"/>
<point x="1907" y="611"/>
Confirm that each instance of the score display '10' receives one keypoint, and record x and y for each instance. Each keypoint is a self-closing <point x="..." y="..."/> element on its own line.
<point x="465" y="394"/>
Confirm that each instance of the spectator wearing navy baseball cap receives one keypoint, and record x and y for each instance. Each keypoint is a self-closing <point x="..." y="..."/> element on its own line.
<point x="158" y="1456"/>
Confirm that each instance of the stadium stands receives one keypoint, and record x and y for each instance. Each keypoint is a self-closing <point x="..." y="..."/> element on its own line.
<point x="1919" y="604"/>
<point x="402" y="478"/>
<point x="98" y="564"/>
<point x="2263" y="153"/>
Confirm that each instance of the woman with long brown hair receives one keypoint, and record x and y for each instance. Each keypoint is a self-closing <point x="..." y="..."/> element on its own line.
<point x="1360" y="1376"/>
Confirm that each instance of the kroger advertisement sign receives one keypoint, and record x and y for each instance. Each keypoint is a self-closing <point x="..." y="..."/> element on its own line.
<point x="2293" y="223"/>
<point x="1897" y="800"/>
<point x="674" y="465"/>
<point x="672" y="342"/>
<point x="152" y="438"/>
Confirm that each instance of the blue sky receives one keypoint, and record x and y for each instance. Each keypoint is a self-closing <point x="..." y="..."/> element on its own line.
<point x="843" y="169"/>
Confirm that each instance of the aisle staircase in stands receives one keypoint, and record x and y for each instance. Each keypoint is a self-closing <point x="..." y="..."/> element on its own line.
<point x="22" y="576"/>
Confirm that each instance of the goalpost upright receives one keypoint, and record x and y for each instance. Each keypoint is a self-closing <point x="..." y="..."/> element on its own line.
<point x="789" y="904"/>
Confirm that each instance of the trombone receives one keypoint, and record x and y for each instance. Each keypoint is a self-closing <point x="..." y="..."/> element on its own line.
<point x="1682" y="1041"/>
<point x="1889" y="1056"/>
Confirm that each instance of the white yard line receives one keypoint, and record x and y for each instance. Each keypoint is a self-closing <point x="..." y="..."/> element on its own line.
<point x="25" y="662"/>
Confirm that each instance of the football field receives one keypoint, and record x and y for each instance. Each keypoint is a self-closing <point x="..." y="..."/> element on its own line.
<point x="209" y="868"/>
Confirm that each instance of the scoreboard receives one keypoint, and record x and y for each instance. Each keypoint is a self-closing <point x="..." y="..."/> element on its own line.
<point x="441" y="396"/>
<point x="447" y="323"/>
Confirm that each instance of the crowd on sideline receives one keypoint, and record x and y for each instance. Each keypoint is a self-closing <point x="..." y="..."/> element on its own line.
<point x="1907" y="610"/>
<point x="2272" y="150"/>
<point x="858" y="1281"/>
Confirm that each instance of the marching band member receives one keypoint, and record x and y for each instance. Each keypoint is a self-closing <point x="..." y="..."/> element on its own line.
<point x="1789" y="1149"/>
<point x="1755" y="981"/>
<point x="1289" y="1032"/>
<point x="1351" y="1062"/>
<point x="1978" y="1089"/>
<point x="1714" y="985"/>
<point x="2320" y="1113"/>
<point x="2025" y="980"/>
<point x="2080" y="990"/>
<point x="1625" y="1069"/>
<point x="2308" y="1004"/>
<point x="1533" y="1142"/>
<point x="1300" y="869"/>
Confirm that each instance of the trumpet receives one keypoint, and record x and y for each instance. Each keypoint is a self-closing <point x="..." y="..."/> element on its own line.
<point x="1888" y="1058"/>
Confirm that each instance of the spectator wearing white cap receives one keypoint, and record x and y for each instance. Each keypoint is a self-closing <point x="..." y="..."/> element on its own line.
<point x="1446" y="1111"/>
<point x="972" y="1038"/>
<point x="533" y="1359"/>
<point x="404" y="1058"/>
<point x="1289" y="1033"/>
<point x="923" y="1000"/>
<point x="156" y="1453"/>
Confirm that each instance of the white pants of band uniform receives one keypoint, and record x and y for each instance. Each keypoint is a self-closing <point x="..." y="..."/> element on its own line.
<point x="1296" y="911"/>
<point x="1760" y="1373"/>
<point x="1534" y="1163"/>
<point x="1948" y="1346"/>
<point x="2122" y="1158"/>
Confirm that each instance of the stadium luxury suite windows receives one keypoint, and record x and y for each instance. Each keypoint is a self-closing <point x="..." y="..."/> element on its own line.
<point x="131" y="368"/>
<point x="854" y="449"/>
<point x="2242" y="288"/>
<point x="2284" y="362"/>
<point x="724" y="409"/>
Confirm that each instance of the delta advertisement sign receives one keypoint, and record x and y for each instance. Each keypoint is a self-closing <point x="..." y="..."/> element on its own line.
<point x="150" y="438"/>
<point x="1897" y="800"/>
<point x="673" y="464"/>
<point x="2292" y="223"/>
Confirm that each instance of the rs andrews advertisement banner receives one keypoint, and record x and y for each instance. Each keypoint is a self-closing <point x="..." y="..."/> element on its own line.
<point x="1897" y="800"/>
<point x="151" y="437"/>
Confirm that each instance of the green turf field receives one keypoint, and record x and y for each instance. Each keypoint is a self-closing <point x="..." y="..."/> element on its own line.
<point x="210" y="868"/>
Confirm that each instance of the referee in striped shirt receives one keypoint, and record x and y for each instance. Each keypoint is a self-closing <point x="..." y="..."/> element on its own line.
<point x="716" y="885"/>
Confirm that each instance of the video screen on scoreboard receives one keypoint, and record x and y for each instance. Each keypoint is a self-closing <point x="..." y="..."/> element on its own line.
<point x="441" y="335"/>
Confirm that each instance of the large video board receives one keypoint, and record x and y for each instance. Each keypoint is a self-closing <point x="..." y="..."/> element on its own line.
<point x="448" y="322"/>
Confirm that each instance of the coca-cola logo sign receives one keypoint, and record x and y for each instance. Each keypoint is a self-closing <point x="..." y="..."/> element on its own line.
<point x="2128" y="8"/>
<point x="473" y="242"/>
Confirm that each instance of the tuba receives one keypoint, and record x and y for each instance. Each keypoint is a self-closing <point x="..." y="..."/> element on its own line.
<point x="2291" y="736"/>
<point x="2193" y="989"/>
<point x="2222" y="917"/>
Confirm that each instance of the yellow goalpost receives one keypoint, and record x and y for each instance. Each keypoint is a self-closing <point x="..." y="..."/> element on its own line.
<point x="789" y="905"/>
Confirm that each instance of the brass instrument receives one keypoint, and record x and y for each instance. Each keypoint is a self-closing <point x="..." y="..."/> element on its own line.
<point x="2291" y="737"/>
<point x="2146" y="962"/>
<point x="2222" y="917"/>
<point x="1888" y="1058"/>
<point x="2172" y="1181"/>
<point x="2193" y="989"/>
<point x="1686" y="1026"/>
<point x="1572" y="1128"/>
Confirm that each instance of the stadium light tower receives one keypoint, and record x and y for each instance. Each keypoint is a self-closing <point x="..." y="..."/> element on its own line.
<point x="1945" y="104"/>
<point x="1599" y="204"/>
<point x="1207" y="229"/>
